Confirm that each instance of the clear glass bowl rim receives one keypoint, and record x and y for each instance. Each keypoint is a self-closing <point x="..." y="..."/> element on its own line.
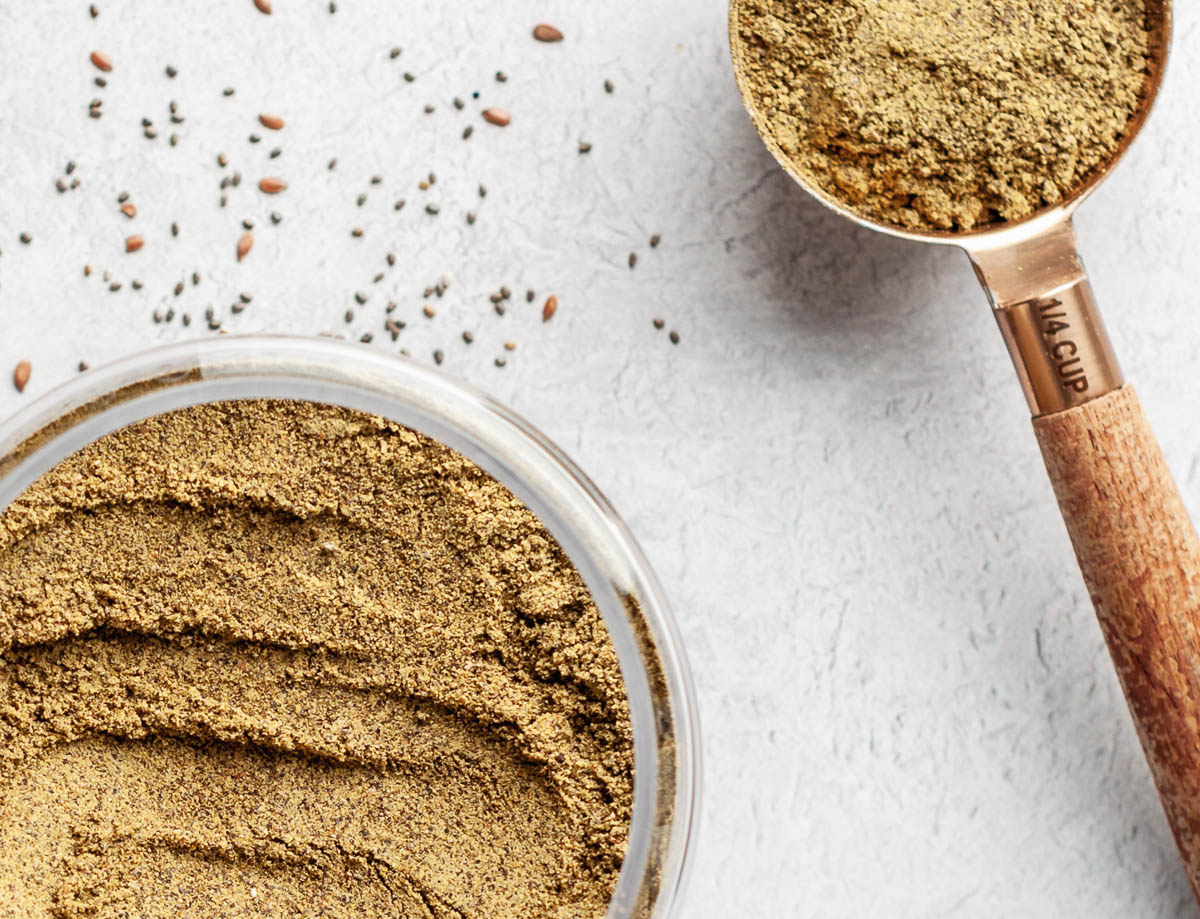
<point x="665" y="721"/>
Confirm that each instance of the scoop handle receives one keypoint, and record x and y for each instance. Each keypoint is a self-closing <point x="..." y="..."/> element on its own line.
<point x="1140" y="558"/>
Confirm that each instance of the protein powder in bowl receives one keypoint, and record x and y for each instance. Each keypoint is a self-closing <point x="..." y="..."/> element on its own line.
<point x="271" y="650"/>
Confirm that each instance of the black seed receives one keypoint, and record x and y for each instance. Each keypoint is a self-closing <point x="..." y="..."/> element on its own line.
<point x="186" y="319"/>
<point x="101" y="82"/>
<point x="468" y="131"/>
<point x="332" y="7"/>
<point x="428" y="108"/>
<point x="458" y="103"/>
<point x="437" y="357"/>
<point x="505" y="293"/>
<point x="391" y="307"/>
<point x="224" y="200"/>
<point x="349" y="316"/>
<point x="501" y="76"/>
<point x="25" y="238"/>
<point x="179" y="288"/>
<point x="276" y="217"/>
<point x="366" y="338"/>
<point x="608" y="86"/>
<point x="360" y="298"/>
<point x="94" y="113"/>
<point x="333" y="163"/>
<point x="655" y="240"/>
<point x="92" y="9"/>
<point x="248" y="223"/>
<point x="475" y="95"/>
<point x="375" y="180"/>
<point x="122" y="197"/>
<point x="83" y="365"/>
<point x="224" y="182"/>
<point x="236" y="308"/>
<point x="356" y="232"/>
<point x="75" y="182"/>
<point x="60" y="184"/>
<point x="391" y="259"/>
<point x="362" y="199"/>
<point x="275" y="153"/>
<point x="209" y="313"/>
<point x="470" y="218"/>
<point x="254" y="138"/>
<point x="399" y="204"/>
<point x="483" y="191"/>
<point x="499" y="308"/>
<point x="136" y="284"/>
<point x="171" y="71"/>
<point x="174" y="229"/>
<point x="214" y="324"/>
<point x="195" y="278"/>
<point x="115" y="286"/>
<point x="674" y="336"/>
<point x="632" y="259"/>
<point x="377" y="278"/>
<point x="408" y="77"/>
<point x="529" y="295"/>
<point x="228" y="91"/>
<point x="70" y="167"/>
<point x="468" y="337"/>
<point x="501" y="362"/>
<point x="170" y="314"/>
<point x="432" y="209"/>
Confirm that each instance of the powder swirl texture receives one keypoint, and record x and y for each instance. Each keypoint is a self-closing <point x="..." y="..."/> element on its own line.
<point x="272" y="658"/>
<point x="945" y="114"/>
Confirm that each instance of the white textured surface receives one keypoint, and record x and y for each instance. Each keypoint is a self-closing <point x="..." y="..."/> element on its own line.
<point x="908" y="710"/>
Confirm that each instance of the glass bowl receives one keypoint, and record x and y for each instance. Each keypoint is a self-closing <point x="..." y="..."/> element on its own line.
<point x="661" y="697"/>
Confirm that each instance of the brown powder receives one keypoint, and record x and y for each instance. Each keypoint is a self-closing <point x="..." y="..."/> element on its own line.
<point x="945" y="114"/>
<point x="273" y="658"/>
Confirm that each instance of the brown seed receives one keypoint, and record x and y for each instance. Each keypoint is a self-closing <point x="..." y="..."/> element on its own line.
<point x="274" y="122"/>
<point x="263" y="6"/>
<point x="585" y="147"/>
<point x="244" y="244"/>
<point x="658" y="323"/>
<point x="550" y="308"/>
<point x="129" y="210"/>
<point x="496" y="116"/>
<point x="655" y="240"/>
<point x="133" y="243"/>
<point x="429" y="311"/>
<point x="510" y="346"/>
<point x="546" y="32"/>
<point x="102" y="61"/>
<point x="632" y="259"/>
<point x="272" y="186"/>
<point x="674" y="336"/>
<point x="21" y="375"/>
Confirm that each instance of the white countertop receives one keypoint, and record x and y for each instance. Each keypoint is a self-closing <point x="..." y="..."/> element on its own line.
<point x="907" y="706"/>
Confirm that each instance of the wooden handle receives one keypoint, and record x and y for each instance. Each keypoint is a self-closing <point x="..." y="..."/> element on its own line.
<point x="1140" y="559"/>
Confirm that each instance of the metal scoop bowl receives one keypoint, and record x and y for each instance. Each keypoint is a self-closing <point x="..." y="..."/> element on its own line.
<point x="1136" y="546"/>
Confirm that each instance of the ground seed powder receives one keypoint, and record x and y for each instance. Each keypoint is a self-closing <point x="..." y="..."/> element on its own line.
<point x="945" y="114"/>
<point x="272" y="658"/>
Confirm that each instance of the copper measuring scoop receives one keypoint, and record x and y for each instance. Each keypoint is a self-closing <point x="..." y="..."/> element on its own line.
<point x="1134" y="541"/>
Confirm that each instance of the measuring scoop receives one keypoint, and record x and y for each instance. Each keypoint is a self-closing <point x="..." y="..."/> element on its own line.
<point x="1134" y="541"/>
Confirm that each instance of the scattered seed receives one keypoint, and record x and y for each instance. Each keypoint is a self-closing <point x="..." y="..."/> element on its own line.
<point x="87" y="271"/>
<point x="394" y="53"/>
<point x="174" y="229"/>
<point x="254" y="138"/>
<point x="585" y="147"/>
<point x="276" y="217"/>
<point x="133" y="243"/>
<point x="101" y="82"/>
<point x="361" y="200"/>
<point x="482" y="190"/>
<point x="501" y="76"/>
<point x="214" y="324"/>
<point x="136" y="284"/>
<point x="244" y="243"/>
<point x="377" y="278"/>
<point x="429" y="311"/>
<point x="224" y="200"/>
<point x="129" y="210"/>
<point x="94" y="12"/>
<point x="170" y="313"/>
<point x="458" y="103"/>
<point x="70" y="167"/>
<point x="195" y="278"/>
<point x="60" y="184"/>
<point x="222" y="160"/>
<point x="21" y="374"/>
<point x="173" y="139"/>
<point x="423" y="185"/>
<point x="236" y="308"/>
<point x="158" y="316"/>
<point x="409" y="76"/>
<point x="360" y="298"/>
<point x="367" y="338"/>
<point x="501" y="362"/>
<point x="546" y="32"/>
<point x="186" y="319"/>
<point x="349" y="317"/>
<point x="273" y="122"/>
<point x="655" y="240"/>
<point x="505" y="293"/>
<point x="632" y="259"/>
<point x="115" y="286"/>
<point x="428" y="108"/>
<point x="470" y="218"/>
<point x="227" y="91"/>
<point x="497" y="116"/>
<point x="171" y="72"/>
<point x="550" y="308"/>
<point x="75" y="182"/>
<point x="468" y="131"/>
<point x="432" y="209"/>
<point x="333" y="164"/>
<point x="391" y="259"/>
<point x="510" y="346"/>
<point x="263" y="6"/>
<point x="332" y="7"/>
<point x="356" y="232"/>
<point x="102" y="61"/>
<point x="399" y="204"/>
<point x="248" y="224"/>
<point x="274" y="153"/>
<point x="658" y="323"/>
<point x="179" y="288"/>
<point x="499" y="308"/>
<point x="529" y="295"/>
<point x="468" y="337"/>
<point x="608" y="86"/>
<point x="674" y="336"/>
<point x="83" y="365"/>
<point x="438" y="357"/>
<point x="272" y="186"/>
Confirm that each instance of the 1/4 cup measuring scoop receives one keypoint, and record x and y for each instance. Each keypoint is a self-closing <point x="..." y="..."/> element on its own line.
<point x="1136" y="545"/>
